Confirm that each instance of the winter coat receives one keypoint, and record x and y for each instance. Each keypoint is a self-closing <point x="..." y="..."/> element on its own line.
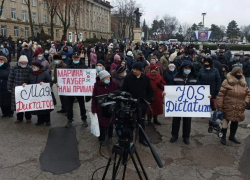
<point x="177" y="62"/>
<point x="93" y="57"/>
<point x="246" y="67"/>
<point x="117" y="79"/>
<point x="234" y="63"/>
<point x="223" y="60"/>
<point x="169" y="76"/>
<point x="233" y="97"/>
<point x="36" y="79"/>
<point x="59" y="66"/>
<point x="164" y="61"/>
<point x="180" y="79"/>
<point x="5" y="96"/>
<point x="138" y="87"/>
<point x="45" y="64"/>
<point x="157" y="103"/>
<point x="210" y="77"/>
<point x="147" y="70"/>
<point x="100" y="55"/>
<point x="130" y="61"/>
<point x="173" y="56"/>
<point x="218" y="66"/>
<point x="28" y="53"/>
<point x="114" y="65"/>
<point x="99" y="89"/>
<point x="17" y="77"/>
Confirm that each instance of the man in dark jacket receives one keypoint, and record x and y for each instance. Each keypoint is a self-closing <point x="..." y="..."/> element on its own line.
<point x="185" y="76"/>
<point x="235" y="62"/>
<point x="76" y="64"/>
<point x="139" y="86"/>
<point x="246" y="68"/>
<point x="222" y="59"/>
<point x="27" y="52"/>
<point x="217" y="64"/>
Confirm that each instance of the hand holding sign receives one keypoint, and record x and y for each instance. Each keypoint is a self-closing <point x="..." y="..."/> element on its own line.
<point x="24" y="84"/>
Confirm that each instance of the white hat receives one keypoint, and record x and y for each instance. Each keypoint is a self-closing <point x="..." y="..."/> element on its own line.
<point x="171" y="64"/>
<point x="129" y="53"/>
<point x="24" y="44"/>
<point x="23" y="58"/>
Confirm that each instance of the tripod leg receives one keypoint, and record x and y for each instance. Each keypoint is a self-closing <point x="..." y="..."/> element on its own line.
<point x="139" y="160"/>
<point x="124" y="171"/>
<point x="136" y="167"/>
<point x="106" y="169"/>
<point x="116" y="167"/>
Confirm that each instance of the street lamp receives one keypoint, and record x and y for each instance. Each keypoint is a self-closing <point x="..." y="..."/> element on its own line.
<point x="203" y="14"/>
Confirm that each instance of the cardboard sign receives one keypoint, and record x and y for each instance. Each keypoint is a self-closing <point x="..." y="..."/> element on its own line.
<point x="33" y="97"/>
<point x="187" y="101"/>
<point x="76" y="82"/>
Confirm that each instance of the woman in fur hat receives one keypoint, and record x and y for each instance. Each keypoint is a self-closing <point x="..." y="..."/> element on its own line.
<point x="232" y="99"/>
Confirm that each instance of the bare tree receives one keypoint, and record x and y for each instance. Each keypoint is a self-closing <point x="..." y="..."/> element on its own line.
<point x="63" y="12"/>
<point x="28" y="4"/>
<point x="1" y="9"/>
<point x="185" y="27"/>
<point x="171" y="24"/>
<point x="52" y="6"/>
<point x="76" y="7"/>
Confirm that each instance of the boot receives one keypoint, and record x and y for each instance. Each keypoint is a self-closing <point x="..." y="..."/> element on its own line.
<point x="149" y="118"/>
<point x="233" y="129"/>
<point x="223" y="138"/>
<point x="156" y="121"/>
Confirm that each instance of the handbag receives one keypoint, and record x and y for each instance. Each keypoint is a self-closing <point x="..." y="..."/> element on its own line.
<point x="53" y="98"/>
<point x="94" y="128"/>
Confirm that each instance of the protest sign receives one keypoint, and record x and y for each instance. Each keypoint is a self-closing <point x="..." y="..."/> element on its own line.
<point x="76" y="82"/>
<point x="187" y="101"/>
<point x="33" y="97"/>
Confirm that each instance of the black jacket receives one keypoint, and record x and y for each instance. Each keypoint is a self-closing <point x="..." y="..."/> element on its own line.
<point x="169" y="77"/>
<point x="5" y="96"/>
<point x="223" y="60"/>
<point x="210" y="77"/>
<point x="180" y="79"/>
<point x="138" y="87"/>
<point x="28" y="53"/>
<point x="218" y="66"/>
<point x="81" y="65"/>
<point x="246" y="67"/>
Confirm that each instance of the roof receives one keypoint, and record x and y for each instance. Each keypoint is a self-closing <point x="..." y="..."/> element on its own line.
<point x="104" y="3"/>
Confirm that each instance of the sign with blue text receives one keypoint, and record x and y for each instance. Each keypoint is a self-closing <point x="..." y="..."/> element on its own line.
<point x="187" y="101"/>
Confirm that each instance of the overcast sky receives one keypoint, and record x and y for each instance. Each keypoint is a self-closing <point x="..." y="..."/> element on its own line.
<point x="219" y="12"/>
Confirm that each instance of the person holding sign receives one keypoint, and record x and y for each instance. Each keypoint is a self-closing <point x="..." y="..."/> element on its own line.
<point x="232" y="99"/>
<point x="104" y="86"/>
<point x="59" y="63"/>
<point x="5" y="96"/>
<point x="76" y="64"/>
<point x="185" y="76"/>
<point x="157" y="83"/>
<point x="19" y="74"/>
<point x="40" y="75"/>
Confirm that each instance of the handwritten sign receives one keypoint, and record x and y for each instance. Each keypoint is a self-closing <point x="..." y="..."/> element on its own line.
<point x="76" y="82"/>
<point x="187" y="101"/>
<point x="33" y="97"/>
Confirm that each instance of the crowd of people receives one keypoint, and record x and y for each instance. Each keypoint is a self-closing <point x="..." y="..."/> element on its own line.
<point x="141" y="70"/>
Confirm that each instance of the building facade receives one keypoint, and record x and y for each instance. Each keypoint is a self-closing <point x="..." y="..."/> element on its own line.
<point x="93" y="20"/>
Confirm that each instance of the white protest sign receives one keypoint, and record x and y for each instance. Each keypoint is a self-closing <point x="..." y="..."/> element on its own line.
<point x="187" y="101"/>
<point x="33" y="97"/>
<point x="76" y="82"/>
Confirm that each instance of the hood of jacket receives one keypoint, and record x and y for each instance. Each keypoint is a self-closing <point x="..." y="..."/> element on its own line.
<point x="233" y="81"/>
<point x="186" y="63"/>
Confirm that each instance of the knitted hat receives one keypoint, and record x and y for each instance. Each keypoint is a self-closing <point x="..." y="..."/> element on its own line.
<point x="153" y="67"/>
<point x="171" y="64"/>
<point x="101" y="62"/>
<point x="129" y="53"/>
<point x="138" y="65"/>
<point x="3" y="58"/>
<point x="120" y="69"/>
<point x="57" y="57"/>
<point x="37" y="64"/>
<point x="103" y="74"/>
<point x="23" y="58"/>
<point x="116" y="57"/>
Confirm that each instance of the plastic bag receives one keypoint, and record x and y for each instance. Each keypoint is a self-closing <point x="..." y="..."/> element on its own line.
<point x="94" y="128"/>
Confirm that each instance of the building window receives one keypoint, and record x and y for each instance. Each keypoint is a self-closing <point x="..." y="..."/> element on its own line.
<point x="44" y="5"/>
<point x="2" y="11"/>
<point x="23" y="1"/>
<point x="44" y="19"/>
<point x="3" y="30"/>
<point x="16" y="33"/>
<point x="26" y="31"/>
<point x="13" y="13"/>
<point x="33" y="2"/>
<point x="24" y="15"/>
<point x="34" y="17"/>
<point x="57" y="33"/>
<point x="35" y="32"/>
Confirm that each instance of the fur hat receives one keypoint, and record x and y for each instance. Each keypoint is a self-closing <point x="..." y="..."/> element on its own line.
<point x="103" y="74"/>
<point x="57" y="57"/>
<point x="23" y="58"/>
<point x="129" y="53"/>
<point x="3" y="59"/>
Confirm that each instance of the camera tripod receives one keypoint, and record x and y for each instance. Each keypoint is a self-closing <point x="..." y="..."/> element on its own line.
<point x="124" y="149"/>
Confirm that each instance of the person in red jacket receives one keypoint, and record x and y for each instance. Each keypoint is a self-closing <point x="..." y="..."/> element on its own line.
<point x="104" y="86"/>
<point x="157" y="83"/>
